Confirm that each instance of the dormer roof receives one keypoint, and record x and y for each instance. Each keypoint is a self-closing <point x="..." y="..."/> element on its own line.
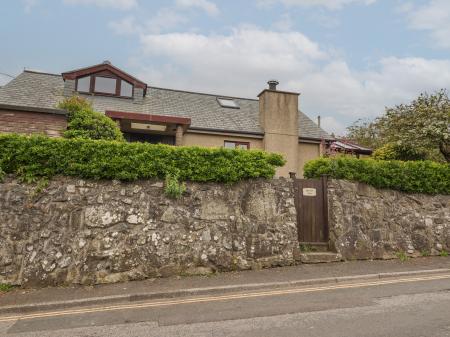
<point x="105" y="66"/>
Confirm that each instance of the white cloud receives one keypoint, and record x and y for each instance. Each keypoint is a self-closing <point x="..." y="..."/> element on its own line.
<point x="284" y="23"/>
<point x="118" y="4"/>
<point x="209" y="7"/>
<point x="125" y="26"/>
<point x="333" y="125"/>
<point x="29" y="5"/>
<point x="240" y="63"/>
<point x="248" y="46"/>
<point x="329" y="4"/>
<point x="433" y="17"/>
<point x="336" y="89"/>
<point x="165" y="19"/>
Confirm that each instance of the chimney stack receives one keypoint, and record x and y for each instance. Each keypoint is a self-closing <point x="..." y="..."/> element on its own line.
<point x="278" y="117"/>
<point x="273" y="84"/>
<point x="318" y="121"/>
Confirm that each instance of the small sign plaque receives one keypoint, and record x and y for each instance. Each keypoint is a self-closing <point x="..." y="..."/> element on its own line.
<point x="309" y="192"/>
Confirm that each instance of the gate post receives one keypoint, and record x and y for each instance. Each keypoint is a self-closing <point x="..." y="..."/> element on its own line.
<point x="324" y="179"/>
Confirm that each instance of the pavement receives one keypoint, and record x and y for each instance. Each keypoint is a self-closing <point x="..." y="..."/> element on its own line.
<point x="30" y="300"/>
<point x="409" y="299"/>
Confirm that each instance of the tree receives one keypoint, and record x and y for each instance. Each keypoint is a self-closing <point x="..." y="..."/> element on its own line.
<point x="365" y="133"/>
<point x="420" y="127"/>
<point x="84" y="122"/>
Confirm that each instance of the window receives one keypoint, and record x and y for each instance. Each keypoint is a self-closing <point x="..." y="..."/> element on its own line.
<point x="227" y="103"/>
<point x="105" y="85"/>
<point x="84" y="84"/>
<point x="236" y="145"/>
<point x="126" y="89"/>
<point x="96" y="84"/>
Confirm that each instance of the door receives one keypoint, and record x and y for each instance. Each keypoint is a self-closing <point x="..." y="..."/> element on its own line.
<point x="312" y="210"/>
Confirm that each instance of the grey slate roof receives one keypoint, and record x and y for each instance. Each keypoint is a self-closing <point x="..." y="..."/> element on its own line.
<point x="42" y="90"/>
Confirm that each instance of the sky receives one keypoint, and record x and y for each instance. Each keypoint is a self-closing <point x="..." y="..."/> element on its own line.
<point x="349" y="59"/>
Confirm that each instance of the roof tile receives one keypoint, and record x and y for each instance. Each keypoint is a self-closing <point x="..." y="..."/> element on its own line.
<point x="33" y="89"/>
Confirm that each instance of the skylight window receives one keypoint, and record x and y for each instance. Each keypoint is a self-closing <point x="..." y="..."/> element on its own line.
<point x="228" y="103"/>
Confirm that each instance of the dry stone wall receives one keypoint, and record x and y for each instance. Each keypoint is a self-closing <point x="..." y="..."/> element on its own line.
<point x="369" y="223"/>
<point x="90" y="232"/>
<point x="86" y="232"/>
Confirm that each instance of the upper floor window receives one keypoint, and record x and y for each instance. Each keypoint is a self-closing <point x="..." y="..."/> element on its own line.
<point x="236" y="145"/>
<point x="84" y="84"/>
<point x="126" y="89"/>
<point x="104" y="85"/>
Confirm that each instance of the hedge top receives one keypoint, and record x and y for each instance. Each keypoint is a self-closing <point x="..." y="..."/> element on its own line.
<point x="408" y="176"/>
<point x="39" y="156"/>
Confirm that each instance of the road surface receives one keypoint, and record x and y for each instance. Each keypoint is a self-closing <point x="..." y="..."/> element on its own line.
<point x="409" y="306"/>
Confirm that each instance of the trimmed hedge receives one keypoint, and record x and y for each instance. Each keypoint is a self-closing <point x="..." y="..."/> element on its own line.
<point x="408" y="176"/>
<point x="32" y="157"/>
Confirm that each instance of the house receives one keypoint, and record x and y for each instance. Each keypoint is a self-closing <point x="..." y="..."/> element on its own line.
<point x="343" y="146"/>
<point x="273" y="122"/>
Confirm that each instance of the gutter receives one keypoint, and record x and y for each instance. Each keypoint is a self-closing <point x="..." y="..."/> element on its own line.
<point x="33" y="109"/>
<point x="259" y="135"/>
<point x="314" y="140"/>
<point x="221" y="131"/>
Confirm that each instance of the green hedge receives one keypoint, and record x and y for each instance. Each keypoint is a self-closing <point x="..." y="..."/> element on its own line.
<point x="408" y="176"/>
<point x="40" y="156"/>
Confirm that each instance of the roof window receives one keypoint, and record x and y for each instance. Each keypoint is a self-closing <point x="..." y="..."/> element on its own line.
<point x="227" y="103"/>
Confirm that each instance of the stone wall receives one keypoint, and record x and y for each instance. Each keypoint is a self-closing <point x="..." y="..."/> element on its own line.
<point x="89" y="232"/>
<point x="86" y="232"/>
<point x="367" y="223"/>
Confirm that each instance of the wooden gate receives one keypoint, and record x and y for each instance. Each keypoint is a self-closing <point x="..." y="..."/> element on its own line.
<point x="312" y="210"/>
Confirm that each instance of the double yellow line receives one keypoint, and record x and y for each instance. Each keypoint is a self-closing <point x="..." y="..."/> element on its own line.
<point x="237" y="296"/>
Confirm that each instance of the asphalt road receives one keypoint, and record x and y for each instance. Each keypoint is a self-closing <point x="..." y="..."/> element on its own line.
<point x="410" y="307"/>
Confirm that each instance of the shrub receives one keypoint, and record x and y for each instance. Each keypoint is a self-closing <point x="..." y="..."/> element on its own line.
<point x="40" y="156"/>
<point x="5" y="287"/>
<point x="393" y="151"/>
<point x="408" y="176"/>
<point x="402" y="256"/>
<point x="84" y="122"/>
<point x="173" y="188"/>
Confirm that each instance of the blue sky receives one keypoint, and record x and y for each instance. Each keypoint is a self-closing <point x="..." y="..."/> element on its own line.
<point x="348" y="58"/>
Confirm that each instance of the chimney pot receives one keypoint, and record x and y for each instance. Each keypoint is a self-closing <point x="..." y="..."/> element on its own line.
<point x="273" y="84"/>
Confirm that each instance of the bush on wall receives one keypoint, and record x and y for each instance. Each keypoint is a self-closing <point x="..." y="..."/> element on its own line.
<point x="84" y="122"/>
<point x="408" y="176"/>
<point x="32" y="157"/>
